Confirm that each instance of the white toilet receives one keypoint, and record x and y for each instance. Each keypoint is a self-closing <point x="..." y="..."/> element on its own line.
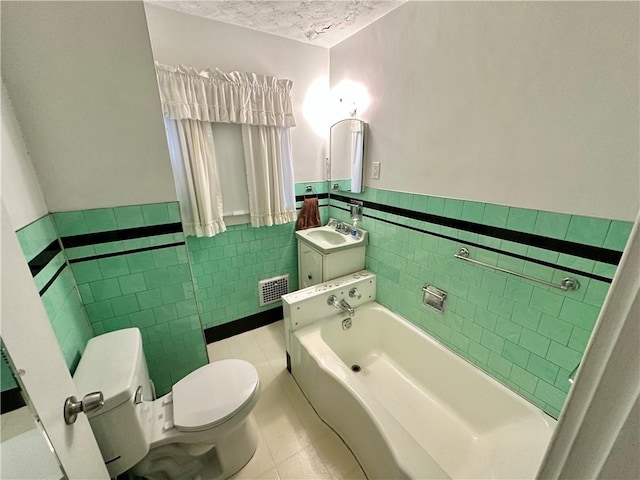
<point x="202" y="430"/>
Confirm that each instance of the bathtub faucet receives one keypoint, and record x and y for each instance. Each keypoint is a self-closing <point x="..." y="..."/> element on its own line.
<point x="342" y="305"/>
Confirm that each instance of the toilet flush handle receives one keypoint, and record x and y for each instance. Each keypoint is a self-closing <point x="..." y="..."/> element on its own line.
<point x="90" y="402"/>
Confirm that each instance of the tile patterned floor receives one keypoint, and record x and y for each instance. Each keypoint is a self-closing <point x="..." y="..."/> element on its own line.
<point x="293" y="442"/>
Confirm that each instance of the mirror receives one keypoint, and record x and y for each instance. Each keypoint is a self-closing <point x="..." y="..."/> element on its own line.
<point x="26" y="450"/>
<point x="346" y="155"/>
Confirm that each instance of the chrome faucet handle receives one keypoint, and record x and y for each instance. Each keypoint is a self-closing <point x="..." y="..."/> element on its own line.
<point x="332" y="300"/>
<point x="354" y="293"/>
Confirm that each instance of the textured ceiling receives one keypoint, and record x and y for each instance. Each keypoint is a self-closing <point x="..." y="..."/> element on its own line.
<point x="319" y="22"/>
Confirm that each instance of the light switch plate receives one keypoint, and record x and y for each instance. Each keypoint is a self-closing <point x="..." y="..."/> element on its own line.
<point x="375" y="170"/>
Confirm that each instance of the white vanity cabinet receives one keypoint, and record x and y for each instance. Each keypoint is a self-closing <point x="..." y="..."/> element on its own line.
<point x="316" y="267"/>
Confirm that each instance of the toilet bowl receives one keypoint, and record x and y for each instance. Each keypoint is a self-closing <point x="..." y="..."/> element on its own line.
<point x="203" y="429"/>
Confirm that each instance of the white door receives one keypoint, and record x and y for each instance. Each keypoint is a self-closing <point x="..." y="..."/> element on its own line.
<point x="32" y="345"/>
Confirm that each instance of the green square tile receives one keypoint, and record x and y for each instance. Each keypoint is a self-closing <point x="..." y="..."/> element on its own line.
<point x="165" y="313"/>
<point x="521" y="219"/>
<point x="155" y="213"/>
<point x="85" y="293"/>
<point x="550" y="395"/>
<point x="471" y="330"/>
<point x="588" y="230"/>
<point x="100" y="219"/>
<point x="499" y="364"/>
<point x="554" y="225"/>
<point x="132" y="283"/>
<point x="563" y="357"/>
<point x="508" y="330"/>
<point x="542" y="368"/>
<point x="113" y="266"/>
<point x="436" y="205"/>
<point x="105" y="289"/>
<point x="579" y="339"/>
<point x="453" y="208"/>
<point x="140" y="262"/>
<point x="523" y="379"/>
<point x="486" y="319"/>
<point x="165" y="257"/>
<point x="534" y="342"/>
<point x="85" y="272"/>
<point x="142" y="319"/>
<point x="124" y="305"/>
<point x="465" y="309"/>
<point x="495" y="215"/>
<point x="518" y="291"/>
<point x="579" y="314"/>
<point x="492" y="341"/>
<point x="618" y="235"/>
<point x="479" y="352"/>
<point x="99" y="310"/>
<point x="172" y="293"/>
<point x="117" y="323"/>
<point x="555" y="329"/>
<point x="70" y="223"/>
<point x="577" y="263"/>
<point x="173" y="209"/>
<point x="479" y="297"/>
<point x="596" y="293"/>
<point x="546" y="302"/>
<point x="472" y="211"/>
<point x="186" y="308"/>
<point x="515" y="354"/>
<point x="493" y="282"/>
<point x="459" y="341"/>
<point x="129" y="217"/>
<point x="501" y="305"/>
<point x="150" y="299"/>
<point x="420" y="203"/>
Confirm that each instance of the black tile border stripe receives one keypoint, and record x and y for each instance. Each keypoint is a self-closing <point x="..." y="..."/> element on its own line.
<point x="125" y="252"/>
<point x="605" y="255"/>
<point x="257" y="320"/>
<point x="40" y="261"/>
<point x="320" y="196"/>
<point x="53" y="278"/>
<point x="123" y="234"/>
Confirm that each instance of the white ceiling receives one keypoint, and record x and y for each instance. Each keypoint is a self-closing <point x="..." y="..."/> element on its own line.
<point x="319" y="22"/>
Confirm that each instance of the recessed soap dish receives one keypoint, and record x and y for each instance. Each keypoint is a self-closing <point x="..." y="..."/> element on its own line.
<point x="433" y="298"/>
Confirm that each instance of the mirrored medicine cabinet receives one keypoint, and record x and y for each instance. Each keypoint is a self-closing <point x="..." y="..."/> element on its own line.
<point x="346" y="156"/>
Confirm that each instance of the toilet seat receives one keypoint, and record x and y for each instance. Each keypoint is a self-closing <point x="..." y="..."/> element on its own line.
<point x="212" y="394"/>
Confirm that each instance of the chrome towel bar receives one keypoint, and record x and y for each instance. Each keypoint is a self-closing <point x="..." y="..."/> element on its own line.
<point x="568" y="283"/>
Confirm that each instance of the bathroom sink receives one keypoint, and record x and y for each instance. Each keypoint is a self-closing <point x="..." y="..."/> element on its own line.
<point x="327" y="240"/>
<point x="328" y="236"/>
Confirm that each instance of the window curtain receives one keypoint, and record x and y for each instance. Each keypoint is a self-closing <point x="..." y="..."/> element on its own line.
<point x="269" y="165"/>
<point x="262" y="104"/>
<point x="195" y="173"/>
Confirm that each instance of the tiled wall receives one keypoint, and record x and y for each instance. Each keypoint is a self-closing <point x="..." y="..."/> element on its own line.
<point x="227" y="267"/>
<point x="527" y="335"/>
<point x="58" y="291"/>
<point x="132" y="269"/>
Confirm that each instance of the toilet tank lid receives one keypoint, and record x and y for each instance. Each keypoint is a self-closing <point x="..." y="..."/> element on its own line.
<point x="109" y="364"/>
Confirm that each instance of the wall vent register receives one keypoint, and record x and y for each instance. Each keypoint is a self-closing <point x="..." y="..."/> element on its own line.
<point x="271" y="289"/>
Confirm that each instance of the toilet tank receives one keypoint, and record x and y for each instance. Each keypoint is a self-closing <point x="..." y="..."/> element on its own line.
<point x="114" y="364"/>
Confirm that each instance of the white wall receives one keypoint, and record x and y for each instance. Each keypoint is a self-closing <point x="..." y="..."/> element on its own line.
<point x="81" y="78"/>
<point x="178" y="38"/>
<point x="20" y="187"/>
<point x="528" y="104"/>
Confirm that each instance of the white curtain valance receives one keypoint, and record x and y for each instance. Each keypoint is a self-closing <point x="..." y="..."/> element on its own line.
<point x="215" y="96"/>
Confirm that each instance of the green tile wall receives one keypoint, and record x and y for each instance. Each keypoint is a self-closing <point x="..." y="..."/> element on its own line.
<point x="227" y="267"/>
<point x="61" y="299"/>
<point x="150" y="289"/>
<point x="526" y="335"/>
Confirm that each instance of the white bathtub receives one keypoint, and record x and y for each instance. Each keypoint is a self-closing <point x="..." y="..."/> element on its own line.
<point x="415" y="409"/>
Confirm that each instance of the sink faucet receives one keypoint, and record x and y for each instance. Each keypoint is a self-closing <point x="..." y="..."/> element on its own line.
<point x="342" y="305"/>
